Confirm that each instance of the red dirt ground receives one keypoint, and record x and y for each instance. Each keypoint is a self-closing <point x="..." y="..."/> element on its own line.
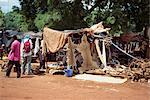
<point x="56" y="87"/>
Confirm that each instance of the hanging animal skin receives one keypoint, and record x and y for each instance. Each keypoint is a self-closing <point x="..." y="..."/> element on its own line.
<point x="70" y="54"/>
<point x="125" y="47"/>
<point x="131" y="48"/>
<point x="137" y="47"/>
<point x="84" y="48"/>
<point x="128" y="48"/>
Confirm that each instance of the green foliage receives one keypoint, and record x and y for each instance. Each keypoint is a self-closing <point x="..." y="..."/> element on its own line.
<point x="91" y="19"/>
<point x="16" y="9"/>
<point x="29" y="10"/>
<point x="110" y="20"/>
<point x="1" y="18"/>
<point x="120" y="15"/>
<point x="14" y="20"/>
<point x="73" y="14"/>
<point x="47" y="19"/>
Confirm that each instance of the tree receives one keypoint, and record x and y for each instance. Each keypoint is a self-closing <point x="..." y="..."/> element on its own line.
<point x="29" y="10"/>
<point x="16" y="9"/>
<point x="1" y="18"/>
<point x="47" y="19"/>
<point x="14" y="20"/>
<point x="120" y="15"/>
<point x="71" y="19"/>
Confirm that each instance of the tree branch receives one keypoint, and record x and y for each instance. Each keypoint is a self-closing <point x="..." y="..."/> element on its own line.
<point x="97" y="2"/>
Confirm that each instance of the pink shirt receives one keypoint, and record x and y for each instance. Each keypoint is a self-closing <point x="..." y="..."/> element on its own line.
<point x="14" y="54"/>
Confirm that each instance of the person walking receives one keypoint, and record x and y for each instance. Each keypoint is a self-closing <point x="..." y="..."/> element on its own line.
<point x="42" y="59"/>
<point x="1" y="52"/>
<point x="14" y="57"/>
<point x="27" y="54"/>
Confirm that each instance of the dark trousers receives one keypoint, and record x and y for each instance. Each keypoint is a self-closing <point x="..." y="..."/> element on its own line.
<point x="1" y="55"/>
<point x="10" y="65"/>
<point x="42" y="64"/>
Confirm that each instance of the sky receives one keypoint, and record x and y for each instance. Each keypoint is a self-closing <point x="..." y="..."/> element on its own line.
<point x="6" y="5"/>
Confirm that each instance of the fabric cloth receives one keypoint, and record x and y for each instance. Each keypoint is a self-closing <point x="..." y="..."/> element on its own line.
<point x="104" y="54"/>
<point x="37" y="47"/>
<point x="99" y="51"/>
<point x="14" y="54"/>
<point x="10" y="65"/>
<point x="41" y="43"/>
<point x="53" y="40"/>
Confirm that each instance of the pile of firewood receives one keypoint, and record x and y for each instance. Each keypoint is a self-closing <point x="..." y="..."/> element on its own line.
<point x="117" y="71"/>
<point x="139" y="70"/>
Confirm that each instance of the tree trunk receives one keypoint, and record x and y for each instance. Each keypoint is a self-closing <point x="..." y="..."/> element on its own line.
<point x="147" y="36"/>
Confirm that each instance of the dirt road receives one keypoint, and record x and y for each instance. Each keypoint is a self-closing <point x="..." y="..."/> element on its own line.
<point x="55" y="87"/>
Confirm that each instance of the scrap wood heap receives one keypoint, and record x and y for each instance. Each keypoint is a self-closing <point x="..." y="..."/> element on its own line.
<point x="117" y="71"/>
<point x="139" y="70"/>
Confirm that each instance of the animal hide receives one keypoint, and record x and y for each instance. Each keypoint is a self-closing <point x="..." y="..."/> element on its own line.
<point x="70" y="54"/>
<point x="84" y="48"/>
<point x="53" y="39"/>
<point x="137" y="48"/>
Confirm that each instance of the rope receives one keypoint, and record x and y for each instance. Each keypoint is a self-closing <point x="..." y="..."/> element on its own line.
<point x="123" y="51"/>
<point x="108" y="39"/>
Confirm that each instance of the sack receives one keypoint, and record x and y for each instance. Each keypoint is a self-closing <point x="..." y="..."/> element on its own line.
<point x="27" y="47"/>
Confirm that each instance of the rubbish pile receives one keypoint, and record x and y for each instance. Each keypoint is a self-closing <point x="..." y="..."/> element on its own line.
<point x="55" y="68"/>
<point x="139" y="70"/>
<point x="136" y="71"/>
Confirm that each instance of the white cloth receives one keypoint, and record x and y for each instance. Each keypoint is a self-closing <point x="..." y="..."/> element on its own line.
<point x="36" y="49"/>
<point x="104" y="54"/>
<point x="42" y="43"/>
